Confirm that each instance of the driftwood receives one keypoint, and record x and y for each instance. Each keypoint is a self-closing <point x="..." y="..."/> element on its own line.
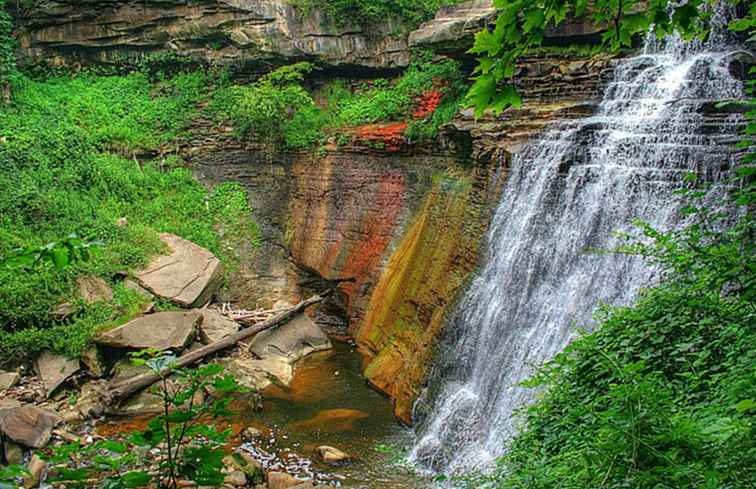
<point x="118" y="392"/>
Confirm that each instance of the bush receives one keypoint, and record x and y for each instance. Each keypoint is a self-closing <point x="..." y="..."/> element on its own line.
<point x="413" y="12"/>
<point x="67" y="165"/>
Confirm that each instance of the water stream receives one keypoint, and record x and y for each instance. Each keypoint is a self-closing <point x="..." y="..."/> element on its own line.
<point x="567" y="193"/>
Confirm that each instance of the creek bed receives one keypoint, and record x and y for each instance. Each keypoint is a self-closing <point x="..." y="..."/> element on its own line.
<point x="329" y="403"/>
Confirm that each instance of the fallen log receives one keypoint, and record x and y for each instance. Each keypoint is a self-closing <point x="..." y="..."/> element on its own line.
<point x="118" y="392"/>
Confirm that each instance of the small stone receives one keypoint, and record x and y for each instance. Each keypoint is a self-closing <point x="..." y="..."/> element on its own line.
<point x="36" y="469"/>
<point x="331" y="455"/>
<point x="94" y="289"/>
<point x="14" y="453"/>
<point x="92" y="360"/>
<point x="55" y="369"/>
<point x="251" y="434"/>
<point x="236" y="478"/>
<point x="215" y="326"/>
<point x="245" y="462"/>
<point x="282" y="480"/>
<point x="122" y="222"/>
<point x="8" y="379"/>
<point x="64" y="310"/>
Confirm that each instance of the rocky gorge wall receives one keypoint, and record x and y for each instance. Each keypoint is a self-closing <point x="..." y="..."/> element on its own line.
<point x="397" y="232"/>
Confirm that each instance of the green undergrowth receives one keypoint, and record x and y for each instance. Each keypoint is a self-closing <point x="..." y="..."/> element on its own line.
<point x="374" y="12"/>
<point x="278" y="108"/>
<point x="72" y="161"/>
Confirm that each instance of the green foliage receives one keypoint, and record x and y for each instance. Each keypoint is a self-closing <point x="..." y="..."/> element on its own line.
<point x="60" y="254"/>
<point x="264" y="110"/>
<point x="372" y="12"/>
<point x="7" y="51"/>
<point x="521" y="26"/>
<point x="190" y="448"/>
<point x="277" y="109"/>
<point x="68" y="165"/>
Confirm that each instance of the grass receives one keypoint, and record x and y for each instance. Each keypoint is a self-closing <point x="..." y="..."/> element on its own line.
<point x="68" y="163"/>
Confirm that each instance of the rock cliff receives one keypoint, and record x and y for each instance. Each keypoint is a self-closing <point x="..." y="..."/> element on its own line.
<point x="396" y="232"/>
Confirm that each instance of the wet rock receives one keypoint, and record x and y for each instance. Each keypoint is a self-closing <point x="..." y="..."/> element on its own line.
<point x="291" y="341"/>
<point x="188" y="276"/>
<point x="55" y="369"/>
<point x="236" y="478"/>
<point x="8" y="379"/>
<point x="331" y="455"/>
<point x="281" y="480"/>
<point x="28" y="425"/>
<point x="247" y="464"/>
<point x="93" y="362"/>
<point x="91" y="401"/>
<point x="13" y="452"/>
<point x="251" y="434"/>
<point x="36" y="469"/>
<point x="215" y="326"/>
<point x="94" y="289"/>
<point x="143" y="403"/>
<point x="124" y="370"/>
<point x="162" y="331"/>
<point x="257" y="374"/>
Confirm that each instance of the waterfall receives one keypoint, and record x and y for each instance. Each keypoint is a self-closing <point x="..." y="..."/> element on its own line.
<point x="569" y="192"/>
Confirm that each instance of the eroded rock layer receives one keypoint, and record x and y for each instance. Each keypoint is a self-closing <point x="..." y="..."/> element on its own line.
<point x="239" y="32"/>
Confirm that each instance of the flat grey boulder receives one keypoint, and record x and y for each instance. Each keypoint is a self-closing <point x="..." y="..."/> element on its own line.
<point x="291" y="341"/>
<point x="215" y="326"/>
<point x="55" y="369"/>
<point x="188" y="276"/>
<point x="161" y="331"/>
<point x="28" y="425"/>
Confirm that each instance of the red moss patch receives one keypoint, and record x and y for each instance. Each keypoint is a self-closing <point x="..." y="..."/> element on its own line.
<point x="427" y="104"/>
<point x="388" y="137"/>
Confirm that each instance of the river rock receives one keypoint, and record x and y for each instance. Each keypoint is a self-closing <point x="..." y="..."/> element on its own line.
<point x="331" y="455"/>
<point x="36" y="469"/>
<point x="8" y="379"/>
<point x="92" y="360"/>
<point x="291" y="341"/>
<point x="94" y="289"/>
<point x="28" y="425"/>
<point x="259" y="374"/>
<point x="282" y="480"/>
<point x="162" y="331"/>
<point x="55" y="369"/>
<point x="215" y="326"/>
<point x="13" y="452"/>
<point x="188" y="276"/>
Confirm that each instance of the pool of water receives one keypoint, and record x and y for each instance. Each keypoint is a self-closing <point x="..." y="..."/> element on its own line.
<point x="329" y="403"/>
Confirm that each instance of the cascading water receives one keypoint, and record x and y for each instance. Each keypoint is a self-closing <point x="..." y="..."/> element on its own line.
<point x="567" y="193"/>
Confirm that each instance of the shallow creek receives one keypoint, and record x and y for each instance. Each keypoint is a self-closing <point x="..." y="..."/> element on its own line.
<point x="327" y="403"/>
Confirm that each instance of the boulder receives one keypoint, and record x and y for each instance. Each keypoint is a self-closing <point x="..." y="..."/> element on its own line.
<point x="141" y="404"/>
<point x="8" y="379"/>
<point x="236" y="478"/>
<point x="28" y="425"/>
<point x="94" y="289"/>
<point x="251" y="434"/>
<point x="188" y="276"/>
<point x="55" y="369"/>
<point x="331" y="455"/>
<point x="282" y="480"/>
<point x="215" y="326"/>
<point x="291" y="341"/>
<point x="162" y="331"/>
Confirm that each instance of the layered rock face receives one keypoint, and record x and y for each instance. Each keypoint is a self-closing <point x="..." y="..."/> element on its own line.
<point x="397" y="233"/>
<point x="240" y="32"/>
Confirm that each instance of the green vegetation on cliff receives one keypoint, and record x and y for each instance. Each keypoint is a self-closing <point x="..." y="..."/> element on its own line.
<point x="91" y="155"/>
<point x="277" y="109"/>
<point x="373" y="11"/>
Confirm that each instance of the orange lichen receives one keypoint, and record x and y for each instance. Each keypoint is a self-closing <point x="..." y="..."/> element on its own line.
<point x="428" y="103"/>
<point x="386" y="137"/>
